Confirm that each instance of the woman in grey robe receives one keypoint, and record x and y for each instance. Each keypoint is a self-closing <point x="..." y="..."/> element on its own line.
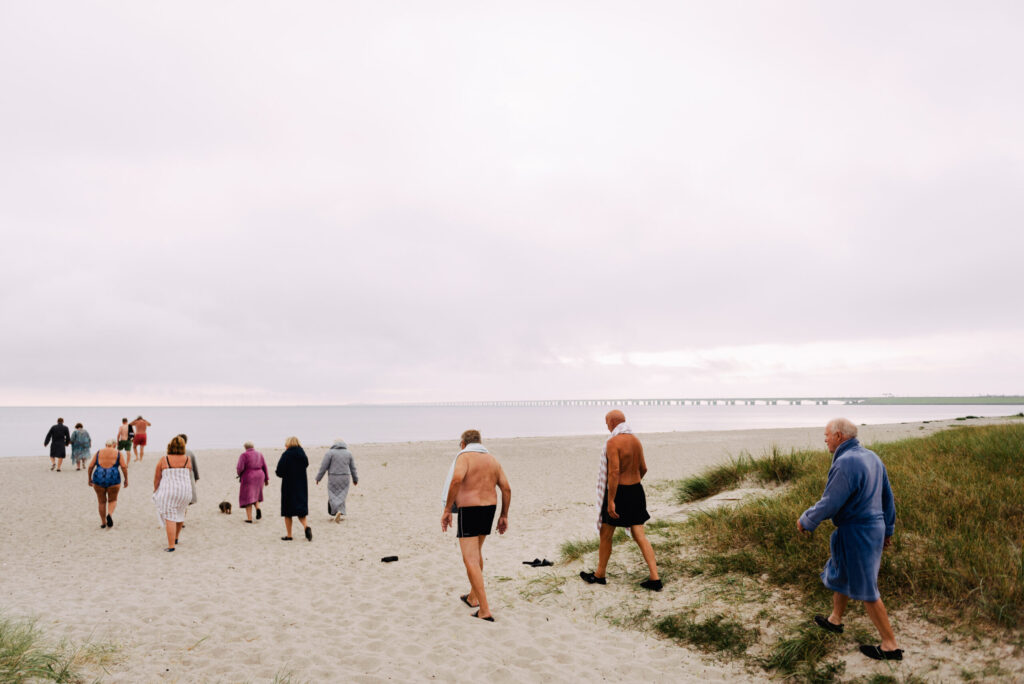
<point x="341" y="469"/>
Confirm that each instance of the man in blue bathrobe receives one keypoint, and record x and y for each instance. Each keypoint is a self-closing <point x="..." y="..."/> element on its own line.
<point x="859" y="501"/>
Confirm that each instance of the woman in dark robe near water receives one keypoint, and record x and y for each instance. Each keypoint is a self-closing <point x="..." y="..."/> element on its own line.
<point x="291" y="468"/>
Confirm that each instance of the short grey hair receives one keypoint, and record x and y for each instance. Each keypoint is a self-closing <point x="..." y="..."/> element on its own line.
<point x="842" y="426"/>
<point x="111" y="442"/>
<point x="249" y="445"/>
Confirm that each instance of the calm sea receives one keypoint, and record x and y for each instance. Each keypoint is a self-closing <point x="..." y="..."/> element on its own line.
<point x="22" y="429"/>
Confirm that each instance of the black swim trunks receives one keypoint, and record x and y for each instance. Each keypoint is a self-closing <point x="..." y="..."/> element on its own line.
<point x="630" y="505"/>
<point x="475" y="520"/>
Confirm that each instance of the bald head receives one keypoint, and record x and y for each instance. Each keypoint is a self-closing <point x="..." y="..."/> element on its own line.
<point x="613" y="418"/>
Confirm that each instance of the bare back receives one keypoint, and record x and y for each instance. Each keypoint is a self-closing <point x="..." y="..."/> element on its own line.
<point x="140" y="425"/>
<point x="626" y="458"/>
<point x="106" y="457"/>
<point x="482" y="474"/>
<point x="122" y="432"/>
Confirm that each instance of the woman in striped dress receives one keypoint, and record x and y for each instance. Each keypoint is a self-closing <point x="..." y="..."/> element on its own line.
<point x="172" y="489"/>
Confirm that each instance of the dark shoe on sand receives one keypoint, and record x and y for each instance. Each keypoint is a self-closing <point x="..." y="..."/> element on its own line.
<point x="110" y="521"/>
<point x="823" y="622"/>
<point x="309" y="534"/>
<point x="477" y="615"/>
<point x="286" y="538"/>
<point x="168" y="549"/>
<point x="259" y="514"/>
<point x="465" y="599"/>
<point x="653" y="585"/>
<point x="591" y="578"/>
<point x="248" y="521"/>
<point x="876" y="652"/>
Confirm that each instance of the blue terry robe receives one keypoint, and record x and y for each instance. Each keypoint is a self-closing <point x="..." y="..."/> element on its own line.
<point x="859" y="501"/>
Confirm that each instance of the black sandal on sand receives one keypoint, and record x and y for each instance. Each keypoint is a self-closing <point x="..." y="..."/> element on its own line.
<point x="248" y="521"/>
<point x="652" y="584"/>
<point x="591" y="578"/>
<point x="477" y="615"/>
<point x="110" y="521"/>
<point x="876" y="652"/>
<point x="168" y="549"/>
<point x="309" y="534"/>
<point x="824" y="623"/>
<point x="534" y="563"/>
<point x="259" y="514"/>
<point x="286" y="538"/>
<point x="103" y="527"/>
<point x="465" y="599"/>
<point x="52" y="466"/>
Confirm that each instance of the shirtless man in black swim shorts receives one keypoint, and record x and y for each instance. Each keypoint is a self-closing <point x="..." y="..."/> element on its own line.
<point x="476" y="475"/>
<point x="625" y="504"/>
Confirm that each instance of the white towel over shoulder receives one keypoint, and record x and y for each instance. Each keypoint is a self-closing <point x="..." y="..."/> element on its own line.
<point x="476" y="447"/>
<point x="602" y="471"/>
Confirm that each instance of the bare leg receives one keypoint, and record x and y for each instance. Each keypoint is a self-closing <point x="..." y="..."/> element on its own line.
<point x="880" y="619"/>
<point x="839" y="602"/>
<point x="472" y="559"/>
<point x="248" y="512"/>
<point x="171" y="529"/>
<point x="135" y="449"/>
<point x="112" y="493"/>
<point x="604" y="551"/>
<point x="101" y="499"/>
<point x="302" y="519"/>
<point x="177" y="531"/>
<point x="60" y="462"/>
<point x="288" y="526"/>
<point x="471" y="597"/>
<point x="640" y="537"/>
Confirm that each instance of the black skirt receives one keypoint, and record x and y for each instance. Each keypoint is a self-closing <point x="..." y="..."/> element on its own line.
<point x="630" y="505"/>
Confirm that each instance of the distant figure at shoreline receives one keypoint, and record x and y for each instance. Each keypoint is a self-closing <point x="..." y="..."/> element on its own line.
<point x="124" y="439"/>
<point x="172" y="490"/>
<point x="81" y="443"/>
<point x="472" y="481"/>
<point x="105" y="480"/>
<point x="291" y="468"/>
<point x="58" y="438"/>
<point x="341" y="469"/>
<point x="252" y="477"/>
<point x="622" y="502"/>
<point x="139" y="440"/>
<point x="859" y="501"/>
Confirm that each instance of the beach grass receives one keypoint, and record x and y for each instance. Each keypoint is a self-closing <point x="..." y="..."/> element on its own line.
<point x="774" y="467"/>
<point x="26" y="655"/>
<point x="577" y="548"/>
<point x="717" y="633"/>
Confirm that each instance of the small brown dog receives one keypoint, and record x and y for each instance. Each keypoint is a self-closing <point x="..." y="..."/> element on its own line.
<point x="225" y="507"/>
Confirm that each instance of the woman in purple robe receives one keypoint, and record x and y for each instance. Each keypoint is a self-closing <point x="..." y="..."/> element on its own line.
<point x="253" y="475"/>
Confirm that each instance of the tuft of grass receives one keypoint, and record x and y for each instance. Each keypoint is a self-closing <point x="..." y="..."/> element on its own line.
<point x="717" y="633"/>
<point x="801" y="652"/>
<point x="775" y="467"/>
<point x="543" y="585"/>
<point x="575" y="549"/>
<point x="25" y="655"/>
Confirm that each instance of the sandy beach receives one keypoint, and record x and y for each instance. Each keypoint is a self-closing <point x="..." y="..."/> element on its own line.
<point x="234" y="603"/>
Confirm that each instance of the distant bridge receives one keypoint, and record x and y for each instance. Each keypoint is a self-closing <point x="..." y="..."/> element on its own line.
<point x="693" y="401"/>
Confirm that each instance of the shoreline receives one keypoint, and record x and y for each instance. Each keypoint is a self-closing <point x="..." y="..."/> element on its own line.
<point x="237" y="604"/>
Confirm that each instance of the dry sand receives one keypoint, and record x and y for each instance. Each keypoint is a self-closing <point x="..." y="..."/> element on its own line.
<point x="235" y="603"/>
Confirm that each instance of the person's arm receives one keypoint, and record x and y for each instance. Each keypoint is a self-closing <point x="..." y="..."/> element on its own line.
<point x="147" y="423"/>
<point x="240" y="466"/>
<point x="279" y="470"/>
<point x="158" y="474"/>
<point x="266" y="473"/>
<point x="67" y="437"/>
<point x="195" y="466"/>
<point x="643" y="463"/>
<point x="92" y="466"/>
<point x="613" y="478"/>
<point x="461" y="468"/>
<point x="506" y="499"/>
<point x="837" y="491"/>
<point x="48" y="436"/>
<point x="888" y="507"/>
<point x="323" y="466"/>
<point x="352" y="469"/>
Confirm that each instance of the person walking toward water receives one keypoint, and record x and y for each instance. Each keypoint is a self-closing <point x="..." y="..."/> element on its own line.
<point x="81" y="443"/>
<point x="124" y="439"/>
<point x="58" y="438"/>
<point x="252" y="477"/>
<point x="622" y="502"/>
<point x="859" y="501"/>
<point x="105" y="479"/>
<point x="291" y="468"/>
<point x="139" y="440"/>
<point x="341" y="469"/>
<point x="471" y="484"/>
<point x="172" y="490"/>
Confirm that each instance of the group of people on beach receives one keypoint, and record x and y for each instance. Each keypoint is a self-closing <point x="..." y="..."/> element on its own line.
<point x="857" y="498"/>
<point x="129" y="436"/>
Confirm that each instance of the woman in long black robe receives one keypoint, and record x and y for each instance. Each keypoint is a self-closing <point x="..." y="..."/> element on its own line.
<point x="58" y="438"/>
<point x="291" y="468"/>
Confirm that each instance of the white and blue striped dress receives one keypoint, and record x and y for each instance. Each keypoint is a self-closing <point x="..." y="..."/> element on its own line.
<point x="174" y="493"/>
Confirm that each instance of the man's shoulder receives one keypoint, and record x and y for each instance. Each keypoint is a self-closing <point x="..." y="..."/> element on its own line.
<point x="625" y="438"/>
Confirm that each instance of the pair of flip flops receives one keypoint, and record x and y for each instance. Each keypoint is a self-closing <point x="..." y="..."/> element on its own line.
<point x="538" y="563"/>
<point x="465" y="599"/>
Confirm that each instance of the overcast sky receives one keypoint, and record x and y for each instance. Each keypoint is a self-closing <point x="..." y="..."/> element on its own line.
<point x="323" y="202"/>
